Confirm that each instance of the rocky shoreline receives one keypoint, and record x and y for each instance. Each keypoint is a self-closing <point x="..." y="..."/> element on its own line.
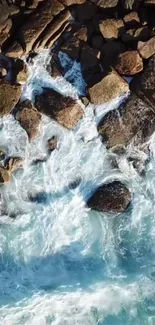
<point x="112" y="40"/>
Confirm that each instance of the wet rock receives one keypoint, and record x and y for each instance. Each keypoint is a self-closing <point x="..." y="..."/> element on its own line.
<point x="110" y="86"/>
<point x="133" y="121"/>
<point x="129" y="63"/>
<point x="147" y="49"/>
<point x="9" y="96"/>
<point x="82" y="34"/>
<point x="2" y="154"/>
<point x="52" y="143"/>
<point x="65" y="110"/>
<point x="108" y="4"/>
<point x="110" y="52"/>
<point x="132" y="20"/>
<point x="144" y="85"/>
<point x="3" y="72"/>
<point x="15" y="50"/>
<point x="29" y="118"/>
<point x="20" y="71"/>
<point x="97" y="42"/>
<point x="13" y="163"/>
<point x="111" y="28"/>
<point x="112" y="197"/>
<point x="4" y="175"/>
<point x="71" y="2"/>
<point x="72" y="48"/>
<point x="85" y="11"/>
<point x="134" y="35"/>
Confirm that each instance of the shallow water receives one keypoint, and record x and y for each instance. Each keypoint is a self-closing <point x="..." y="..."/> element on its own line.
<point x="60" y="263"/>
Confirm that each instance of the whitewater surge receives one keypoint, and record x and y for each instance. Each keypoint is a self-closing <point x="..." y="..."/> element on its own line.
<point x="60" y="263"/>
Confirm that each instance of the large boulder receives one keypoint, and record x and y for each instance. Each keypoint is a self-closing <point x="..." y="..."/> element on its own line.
<point x="144" y="84"/>
<point x="112" y="197"/>
<point x="65" y="110"/>
<point x="134" y="121"/>
<point x="109" y="86"/>
<point x="29" y="118"/>
<point x="129" y="63"/>
<point x="9" y="96"/>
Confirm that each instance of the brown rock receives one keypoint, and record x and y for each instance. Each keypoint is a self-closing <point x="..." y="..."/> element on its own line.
<point x="129" y="63"/>
<point x="110" y="86"/>
<point x="52" y="143"/>
<point x="97" y="42"/>
<point x="132" y="20"/>
<point x="71" y="2"/>
<point x="140" y="34"/>
<point x="13" y="163"/>
<point x="82" y="34"/>
<point x="111" y="197"/>
<point x="144" y="85"/>
<point x="29" y="118"/>
<point x="110" y="52"/>
<point x="4" y="175"/>
<point x="146" y="49"/>
<point x="9" y="96"/>
<point x="20" y="71"/>
<point x="3" y="72"/>
<point x="85" y="11"/>
<point x="108" y="4"/>
<point x="111" y="28"/>
<point x="131" y="4"/>
<point x="133" y="121"/>
<point x="15" y="50"/>
<point x="65" y="110"/>
<point x="2" y="154"/>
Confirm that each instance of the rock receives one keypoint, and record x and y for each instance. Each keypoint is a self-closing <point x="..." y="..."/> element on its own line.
<point x="146" y="49"/>
<point x="52" y="143"/>
<point x="20" y="71"/>
<point x="3" y="72"/>
<point x="9" y="96"/>
<point x="149" y="2"/>
<point x="54" y="68"/>
<point x="65" y="110"/>
<point x="4" y="175"/>
<point x="134" y="35"/>
<point x="82" y="34"/>
<point x="144" y="85"/>
<point x="13" y="163"/>
<point x="53" y="31"/>
<point x="110" y="52"/>
<point x="71" y="2"/>
<point x="110" y="86"/>
<point x="133" y="121"/>
<point x="15" y="50"/>
<point x="97" y="42"/>
<point x="129" y="63"/>
<point x="130" y="4"/>
<point x="29" y="118"/>
<point x="108" y="4"/>
<point x="132" y="20"/>
<point x="111" y="28"/>
<point x="111" y="197"/>
<point x="72" y="48"/>
<point x="85" y="11"/>
<point x="2" y="154"/>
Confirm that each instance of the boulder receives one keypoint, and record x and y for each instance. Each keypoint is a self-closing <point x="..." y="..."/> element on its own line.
<point x="132" y="20"/>
<point x="4" y="175"/>
<point x="65" y="110"/>
<point x="129" y="63"/>
<point x="111" y="197"/>
<point x="2" y="154"/>
<point x="146" y="49"/>
<point x="108" y="4"/>
<point x="14" y="50"/>
<point x="109" y="86"/>
<point x="110" y="52"/>
<point x="9" y="96"/>
<point x="13" y="163"/>
<point x="52" y="143"/>
<point x="111" y="28"/>
<point x="72" y="47"/>
<point x="85" y="11"/>
<point x="29" y="118"/>
<point x="144" y="85"/>
<point x="133" y="121"/>
<point x="71" y="2"/>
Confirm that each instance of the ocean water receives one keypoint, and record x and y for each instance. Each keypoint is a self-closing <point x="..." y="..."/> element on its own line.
<point x="60" y="262"/>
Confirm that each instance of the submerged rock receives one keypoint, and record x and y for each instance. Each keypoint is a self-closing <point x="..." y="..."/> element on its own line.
<point x="111" y="197"/>
<point x="4" y="175"/>
<point x="29" y="118"/>
<point x="9" y="96"/>
<point x="65" y="110"/>
<point x="52" y="143"/>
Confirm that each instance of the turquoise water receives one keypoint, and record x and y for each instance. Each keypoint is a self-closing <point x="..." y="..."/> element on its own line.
<point x="60" y="263"/>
